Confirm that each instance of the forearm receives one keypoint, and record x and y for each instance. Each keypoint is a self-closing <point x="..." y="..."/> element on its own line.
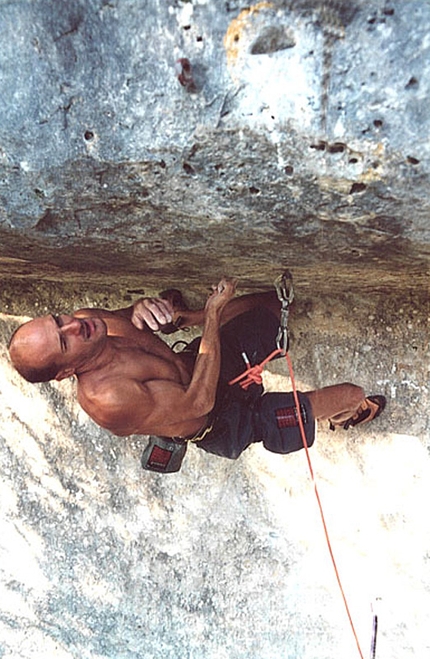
<point x="204" y="381"/>
<point x="202" y="388"/>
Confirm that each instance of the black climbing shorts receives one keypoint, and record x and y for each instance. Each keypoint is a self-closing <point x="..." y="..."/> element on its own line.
<point x="240" y="417"/>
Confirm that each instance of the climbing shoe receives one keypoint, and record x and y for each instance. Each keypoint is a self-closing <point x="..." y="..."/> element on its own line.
<point x="370" y="408"/>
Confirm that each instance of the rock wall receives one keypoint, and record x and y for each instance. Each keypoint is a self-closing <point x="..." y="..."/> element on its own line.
<point x="298" y="139"/>
<point x="301" y="140"/>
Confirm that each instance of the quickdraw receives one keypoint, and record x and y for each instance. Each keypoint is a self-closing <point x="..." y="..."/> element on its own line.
<point x="285" y="292"/>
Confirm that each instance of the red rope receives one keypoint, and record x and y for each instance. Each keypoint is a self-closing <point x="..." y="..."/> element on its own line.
<point x="253" y="375"/>
<point x="305" y="444"/>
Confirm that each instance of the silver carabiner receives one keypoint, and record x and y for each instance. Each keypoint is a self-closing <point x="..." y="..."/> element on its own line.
<point x="284" y="287"/>
<point x="283" y="340"/>
<point x="285" y="293"/>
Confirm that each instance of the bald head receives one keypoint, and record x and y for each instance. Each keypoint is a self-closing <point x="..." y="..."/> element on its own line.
<point x="30" y="356"/>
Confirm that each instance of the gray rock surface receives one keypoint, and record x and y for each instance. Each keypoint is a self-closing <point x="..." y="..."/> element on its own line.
<point x="302" y="141"/>
<point x="305" y="142"/>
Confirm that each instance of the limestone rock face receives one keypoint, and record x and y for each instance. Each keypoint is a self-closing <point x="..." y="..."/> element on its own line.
<point x="300" y="141"/>
<point x="155" y="143"/>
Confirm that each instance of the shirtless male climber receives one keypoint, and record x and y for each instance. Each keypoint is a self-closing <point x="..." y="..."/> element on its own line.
<point x="130" y="381"/>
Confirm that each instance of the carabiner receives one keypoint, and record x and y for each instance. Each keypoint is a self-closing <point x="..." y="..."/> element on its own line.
<point x="285" y="292"/>
<point x="284" y="287"/>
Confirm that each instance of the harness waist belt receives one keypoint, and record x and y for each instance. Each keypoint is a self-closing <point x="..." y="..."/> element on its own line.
<point x="199" y="435"/>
